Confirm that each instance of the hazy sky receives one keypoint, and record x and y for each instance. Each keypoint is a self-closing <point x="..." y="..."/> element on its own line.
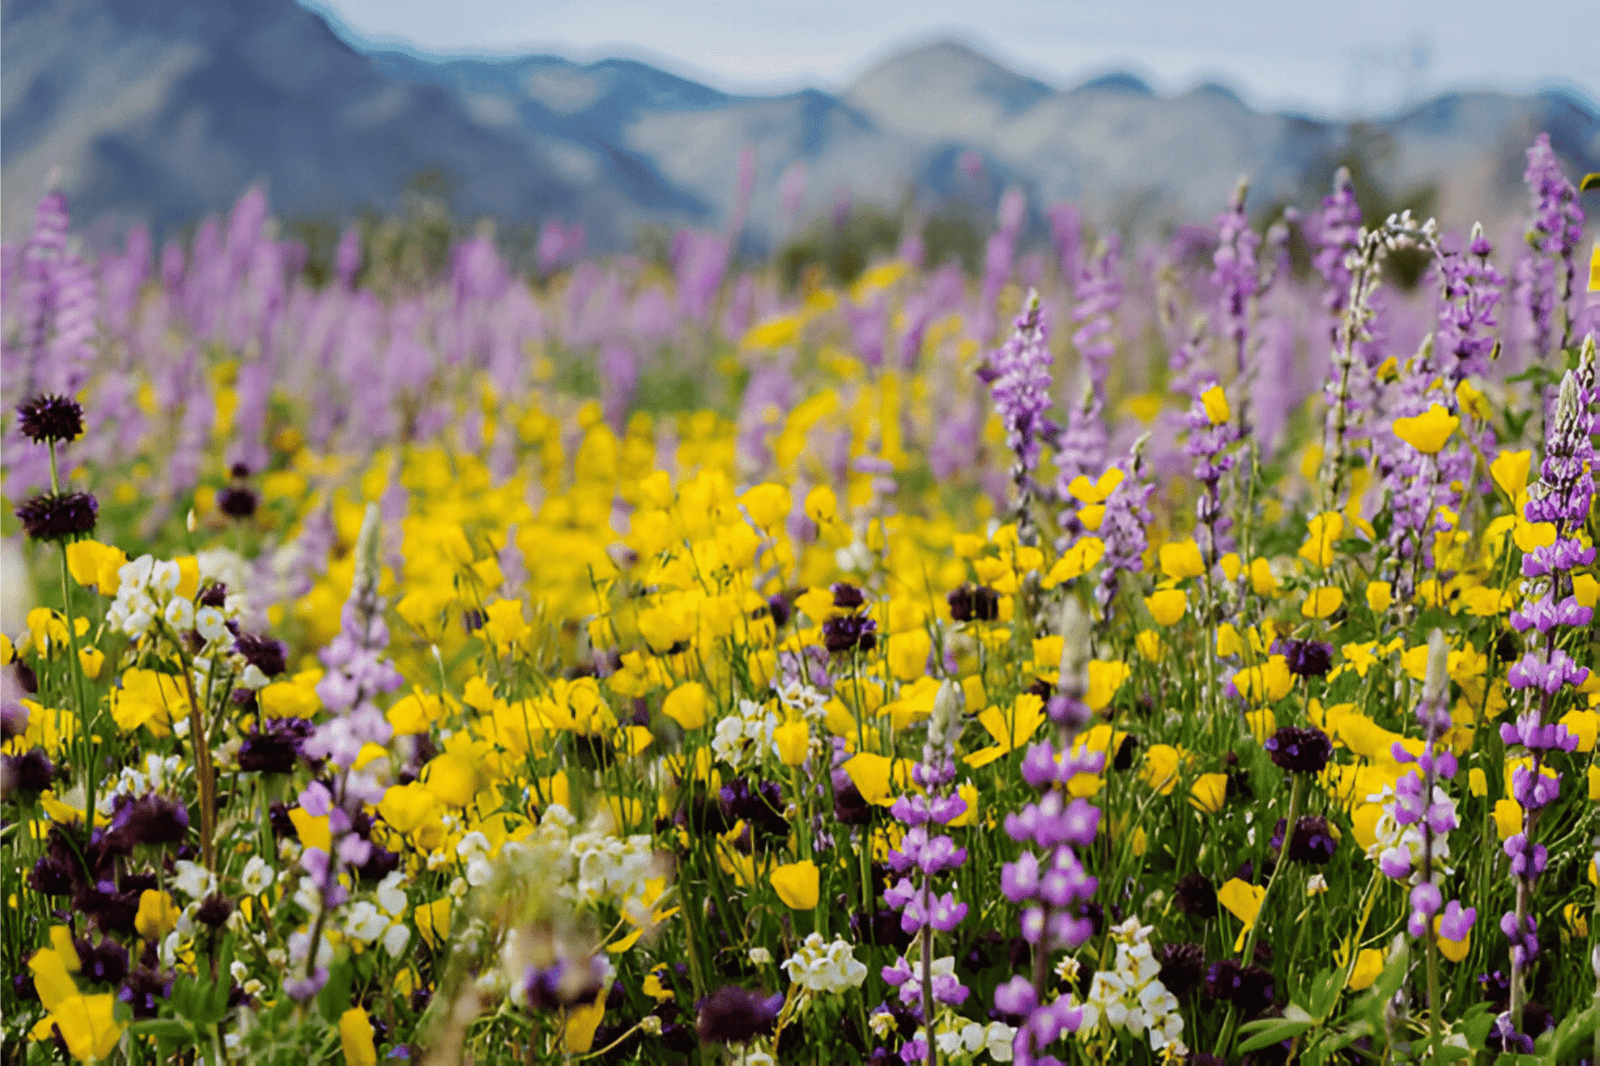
<point x="1325" y="58"/>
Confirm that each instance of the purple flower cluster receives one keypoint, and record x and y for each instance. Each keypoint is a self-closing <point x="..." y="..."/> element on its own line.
<point x="357" y="674"/>
<point x="1021" y="386"/>
<point x="1211" y="448"/>
<point x="1562" y="497"/>
<point x="1419" y="802"/>
<point x="1123" y="529"/>
<point x="1336" y="231"/>
<point x="924" y="853"/>
<point x="1081" y="448"/>
<point x="1470" y="288"/>
<point x="1236" y="275"/>
<point x="1047" y="880"/>
<point x="1545" y="279"/>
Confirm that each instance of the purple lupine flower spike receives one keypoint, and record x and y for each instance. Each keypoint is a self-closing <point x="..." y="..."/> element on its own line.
<point x="1047" y="880"/>
<point x="1545" y="279"/>
<point x="357" y="674"/>
<point x="1563" y="497"/>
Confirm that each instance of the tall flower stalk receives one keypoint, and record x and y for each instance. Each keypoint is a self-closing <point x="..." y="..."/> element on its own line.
<point x="924" y="854"/>
<point x="1021" y="389"/>
<point x="357" y="675"/>
<point x="1546" y="672"/>
<point x="1423" y="814"/>
<point x="1047" y="880"/>
<point x="1545" y="279"/>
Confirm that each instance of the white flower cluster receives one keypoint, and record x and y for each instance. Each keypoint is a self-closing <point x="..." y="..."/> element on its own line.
<point x="614" y="870"/>
<point x="744" y="735"/>
<point x="147" y="590"/>
<point x="1131" y="996"/>
<point x="800" y="697"/>
<point x="159" y="774"/>
<point x="1394" y="844"/>
<point x="367" y="921"/>
<point x="823" y="967"/>
<point x="997" y="1038"/>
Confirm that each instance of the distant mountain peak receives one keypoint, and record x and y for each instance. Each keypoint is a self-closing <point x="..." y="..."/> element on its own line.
<point x="167" y="109"/>
<point x="943" y="88"/>
<point x="1121" y="82"/>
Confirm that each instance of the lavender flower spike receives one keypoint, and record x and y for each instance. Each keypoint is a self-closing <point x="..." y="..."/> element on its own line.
<point x="1021" y="390"/>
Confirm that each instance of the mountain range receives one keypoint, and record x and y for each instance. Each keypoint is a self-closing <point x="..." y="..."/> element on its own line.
<point x="164" y="110"/>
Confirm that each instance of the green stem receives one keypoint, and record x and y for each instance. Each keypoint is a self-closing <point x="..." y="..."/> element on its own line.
<point x="1433" y="996"/>
<point x="1297" y="790"/>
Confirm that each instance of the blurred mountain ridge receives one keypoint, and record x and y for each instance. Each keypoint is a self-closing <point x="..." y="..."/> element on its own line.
<point x="165" y="110"/>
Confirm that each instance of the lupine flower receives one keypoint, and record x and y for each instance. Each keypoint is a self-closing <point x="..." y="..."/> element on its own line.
<point x="1545" y="279"/>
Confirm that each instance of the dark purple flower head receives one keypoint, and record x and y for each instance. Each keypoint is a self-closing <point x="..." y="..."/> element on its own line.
<point x="1300" y="750"/>
<point x="1249" y="988"/>
<point x="1308" y="658"/>
<point x="781" y="608"/>
<point x="105" y="962"/>
<point x="563" y="985"/>
<point x="150" y="819"/>
<point x="48" y="418"/>
<point x="760" y="807"/>
<point x="144" y="989"/>
<point x="1195" y="896"/>
<point x="265" y="654"/>
<point x="275" y="749"/>
<point x="847" y="596"/>
<point x="850" y="632"/>
<point x="213" y="595"/>
<point x="214" y="910"/>
<point x="27" y="774"/>
<point x="237" y="501"/>
<point x="733" y="1015"/>
<point x="58" y="516"/>
<point x="974" y="603"/>
<point x="1312" y="842"/>
<point x="13" y="720"/>
<point x="1183" y="967"/>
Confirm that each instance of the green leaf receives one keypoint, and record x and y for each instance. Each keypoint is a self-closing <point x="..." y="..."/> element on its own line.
<point x="1273" y="1031"/>
<point x="334" y="999"/>
<point x="1393" y="975"/>
<point x="1476" y="1024"/>
<point x="1542" y="375"/>
<point x="1324" y="991"/>
<point x="163" y="1029"/>
<point x="1451" y="1053"/>
<point x="1577" y="1030"/>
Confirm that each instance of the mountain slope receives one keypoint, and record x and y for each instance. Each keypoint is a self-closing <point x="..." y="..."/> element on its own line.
<point x="210" y="96"/>
<point x="167" y="109"/>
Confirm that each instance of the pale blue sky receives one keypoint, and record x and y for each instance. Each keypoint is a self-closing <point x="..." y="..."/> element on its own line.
<point x="1325" y="58"/>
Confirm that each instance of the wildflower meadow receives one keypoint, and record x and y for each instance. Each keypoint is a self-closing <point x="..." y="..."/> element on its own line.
<point x="1178" y="653"/>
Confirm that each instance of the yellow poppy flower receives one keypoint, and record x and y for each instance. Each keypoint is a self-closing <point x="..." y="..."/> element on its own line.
<point x="1209" y="792"/>
<point x="157" y="915"/>
<point x="1215" y="402"/>
<point x="1167" y="606"/>
<point x="797" y="885"/>
<point x="1428" y="431"/>
<point x="1369" y="964"/>
<point x="1181" y="559"/>
<point x="1322" y="602"/>
<point x="355" y="1037"/>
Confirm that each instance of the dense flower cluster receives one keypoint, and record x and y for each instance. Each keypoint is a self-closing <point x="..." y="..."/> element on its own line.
<point x="379" y="679"/>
